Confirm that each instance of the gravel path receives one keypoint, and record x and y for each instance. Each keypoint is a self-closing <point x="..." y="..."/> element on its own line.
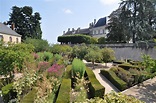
<point x="145" y="91"/>
<point x="103" y="81"/>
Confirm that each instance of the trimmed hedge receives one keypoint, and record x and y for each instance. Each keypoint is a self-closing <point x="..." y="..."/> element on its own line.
<point x="67" y="74"/>
<point x="114" y="79"/>
<point x="64" y="92"/>
<point x="29" y="98"/>
<point x="95" y="88"/>
<point x="74" y="39"/>
<point x="127" y="66"/>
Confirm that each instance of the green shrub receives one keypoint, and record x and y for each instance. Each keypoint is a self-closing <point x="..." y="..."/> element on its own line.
<point x="112" y="77"/>
<point x="29" y="98"/>
<point x="114" y="97"/>
<point x="95" y="88"/>
<point x="78" y="67"/>
<point x="124" y="75"/>
<point x="77" y="38"/>
<point x="67" y="74"/>
<point x="64" y="92"/>
<point x="127" y="66"/>
<point x="118" y="62"/>
<point x="39" y="44"/>
<point x="7" y="93"/>
<point x="44" y="56"/>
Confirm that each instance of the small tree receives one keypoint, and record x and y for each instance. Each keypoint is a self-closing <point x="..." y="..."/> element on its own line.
<point x="108" y="55"/>
<point x="93" y="55"/>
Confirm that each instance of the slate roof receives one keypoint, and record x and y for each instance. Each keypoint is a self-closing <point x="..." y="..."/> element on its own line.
<point x="78" y="31"/>
<point x="101" y="22"/>
<point x="6" y="30"/>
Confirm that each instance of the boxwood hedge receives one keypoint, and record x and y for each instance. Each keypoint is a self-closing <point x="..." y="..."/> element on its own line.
<point x="95" y="88"/>
<point x="114" y="79"/>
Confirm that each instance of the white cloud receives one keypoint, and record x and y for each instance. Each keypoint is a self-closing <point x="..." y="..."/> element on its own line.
<point x="109" y="2"/>
<point x="67" y="11"/>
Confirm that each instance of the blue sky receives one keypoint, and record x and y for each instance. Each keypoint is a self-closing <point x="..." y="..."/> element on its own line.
<point x="59" y="15"/>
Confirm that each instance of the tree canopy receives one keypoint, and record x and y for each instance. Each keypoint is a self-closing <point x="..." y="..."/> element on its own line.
<point x="133" y="19"/>
<point x="25" y="22"/>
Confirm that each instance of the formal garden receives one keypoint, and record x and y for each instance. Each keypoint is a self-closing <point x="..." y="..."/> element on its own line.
<point x="31" y="73"/>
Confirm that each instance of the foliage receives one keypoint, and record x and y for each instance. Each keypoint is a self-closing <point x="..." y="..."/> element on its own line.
<point x="79" y="93"/>
<point x="115" y="98"/>
<point x="13" y="58"/>
<point x="101" y="40"/>
<point x="108" y="55"/>
<point x="24" y="84"/>
<point x="26" y="23"/>
<point x="61" y="49"/>
<point x="7" y="93"/>
<point x="45" y="87"/>
<point x="127" y="66"/>
<point x="95" y="88"/>
<point x="93" y="54"/>
<point x="55" y="70"/>
<point x="40" y="45"/>
<point x="148" y="63"/>
<point x="134" y="19"/>
<point x="30" y="97"/>
<point x="42" y="66"/>
<point x="124" y="75"/>
<point x="78" y="67"/>
<point x="117" y="31"/>
<point x="64" y="91"/>
<point x="44" y="56"/>
<point x="77" y="38"/>
<point x="113" y="78"/>
<point x="79" y="51"/>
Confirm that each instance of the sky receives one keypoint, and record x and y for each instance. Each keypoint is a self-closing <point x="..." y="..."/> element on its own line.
<point x="59" y="15"/>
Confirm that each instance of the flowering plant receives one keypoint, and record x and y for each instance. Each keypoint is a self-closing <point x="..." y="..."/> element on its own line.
<point x="55" y="70"/>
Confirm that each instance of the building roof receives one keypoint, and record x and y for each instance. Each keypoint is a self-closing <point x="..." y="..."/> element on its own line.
<point x="6" y="30"/>
<point x="101" y="22"/>
<point x="78" y="31"/>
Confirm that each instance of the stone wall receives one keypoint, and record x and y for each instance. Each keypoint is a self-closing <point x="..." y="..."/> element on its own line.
<point x="132" y="51"/>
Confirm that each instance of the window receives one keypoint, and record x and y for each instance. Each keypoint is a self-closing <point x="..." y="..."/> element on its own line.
<point x="104" y="31"/>
<point x="96" y="31"/>
<point x="10" y="39"/>
<point x="16" y="40"/>
<point x="101" y="31"/>
<point x="1" y="37"/>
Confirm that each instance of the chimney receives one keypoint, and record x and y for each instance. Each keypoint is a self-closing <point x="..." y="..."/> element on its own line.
<point x="13" y="26"/>
<point x="63" y="32"/>
<point x="94" y="21"/>
<point x="73" y="30"/>
<point x="68" y="29"/>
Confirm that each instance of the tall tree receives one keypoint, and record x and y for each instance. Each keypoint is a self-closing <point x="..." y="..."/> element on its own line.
<point x="135" y="19"/>
<point x="26" y="23"/>
<point x="117" y="28"/>
<point x="139" y="20"/>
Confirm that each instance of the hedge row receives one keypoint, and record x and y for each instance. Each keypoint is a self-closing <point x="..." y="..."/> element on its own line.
<point x="64" y="92"/>
<point x="127" y="66"/>
<point x="29" y="98"/>
<point x="77" y="38"/>
<point x="95" y="88"/>
<point x="114" y="79"/>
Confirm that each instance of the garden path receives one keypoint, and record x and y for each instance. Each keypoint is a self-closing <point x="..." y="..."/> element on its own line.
<point x="146" y="91"/>
<point x="103" y="81"/>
